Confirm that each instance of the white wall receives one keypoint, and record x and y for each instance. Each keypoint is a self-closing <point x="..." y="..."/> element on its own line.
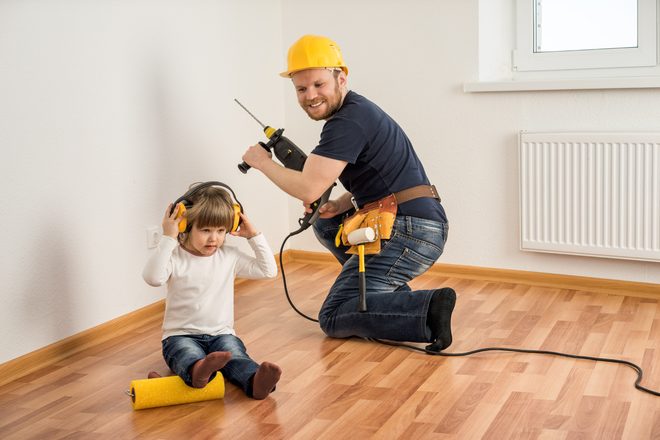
<point x="412" y="59"/>
<point x="109" y="109"/>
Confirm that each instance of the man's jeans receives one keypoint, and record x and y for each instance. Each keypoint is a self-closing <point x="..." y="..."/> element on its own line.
<point x="394" y="312"/>
<point x="181" y="352"/>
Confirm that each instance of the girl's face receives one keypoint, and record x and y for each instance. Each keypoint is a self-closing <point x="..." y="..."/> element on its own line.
<point x="205" y="241"/>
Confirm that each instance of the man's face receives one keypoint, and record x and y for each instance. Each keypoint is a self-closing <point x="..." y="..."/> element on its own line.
<point x="319" y="92"/>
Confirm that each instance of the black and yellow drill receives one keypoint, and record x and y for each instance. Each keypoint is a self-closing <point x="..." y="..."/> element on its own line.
<point x="291" y="157"/>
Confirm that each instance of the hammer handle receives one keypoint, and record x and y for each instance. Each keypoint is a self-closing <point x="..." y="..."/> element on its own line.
<point x="362" y="279"/>
<point x="363" y="290"/>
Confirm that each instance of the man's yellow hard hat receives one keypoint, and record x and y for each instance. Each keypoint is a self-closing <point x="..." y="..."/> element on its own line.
<point x="313" y="52"/>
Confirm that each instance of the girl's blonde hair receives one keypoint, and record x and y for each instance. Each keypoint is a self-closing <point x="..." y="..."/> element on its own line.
<point x="211" y="207"/>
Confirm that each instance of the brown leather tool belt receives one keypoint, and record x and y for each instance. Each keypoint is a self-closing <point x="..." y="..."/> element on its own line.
<point x="380" y="216"/>
<point x="416" y="192"/>
<point x="406" y="195"/>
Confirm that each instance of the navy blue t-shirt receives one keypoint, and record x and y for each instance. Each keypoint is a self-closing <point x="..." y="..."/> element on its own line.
<point x="380" y="157"/>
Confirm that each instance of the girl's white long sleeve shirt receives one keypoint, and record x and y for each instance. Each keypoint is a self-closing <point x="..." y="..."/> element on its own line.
<point x="200" y="290"/>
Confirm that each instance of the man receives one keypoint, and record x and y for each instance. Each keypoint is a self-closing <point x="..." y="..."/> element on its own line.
<point x="373" y="158"/>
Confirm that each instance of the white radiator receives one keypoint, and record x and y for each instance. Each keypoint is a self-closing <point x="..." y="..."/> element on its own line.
<point x="594" y="194"/>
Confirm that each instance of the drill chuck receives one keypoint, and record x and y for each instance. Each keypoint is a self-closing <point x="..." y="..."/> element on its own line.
<point x="270" y="131"/>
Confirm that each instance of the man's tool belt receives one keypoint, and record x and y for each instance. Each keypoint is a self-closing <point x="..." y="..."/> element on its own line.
<point x="380" y="215"/>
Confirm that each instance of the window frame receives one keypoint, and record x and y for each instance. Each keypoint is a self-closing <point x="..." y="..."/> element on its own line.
<point x="525" y="59"/>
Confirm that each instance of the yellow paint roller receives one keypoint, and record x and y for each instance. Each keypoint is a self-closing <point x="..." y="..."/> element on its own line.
<point x="172" y="390"/>
<point x="358" y="238"/>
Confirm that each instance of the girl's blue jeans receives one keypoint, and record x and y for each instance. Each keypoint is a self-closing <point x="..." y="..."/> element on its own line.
<point x="181" y="353"/>
<point x="394" y="311"/>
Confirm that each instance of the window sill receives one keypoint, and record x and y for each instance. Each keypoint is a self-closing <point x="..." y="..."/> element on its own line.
<point x="639" y="82"/>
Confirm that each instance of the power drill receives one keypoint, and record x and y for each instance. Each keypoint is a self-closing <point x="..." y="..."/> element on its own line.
<point x="291" y="157"/>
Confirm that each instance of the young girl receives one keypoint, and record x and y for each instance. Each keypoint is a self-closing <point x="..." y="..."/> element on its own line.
<point x="198" y="328"/>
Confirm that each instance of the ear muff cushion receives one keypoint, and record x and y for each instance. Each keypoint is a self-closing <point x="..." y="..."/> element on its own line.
<point x="237" y="217"/>
<point x="181" y="212"/>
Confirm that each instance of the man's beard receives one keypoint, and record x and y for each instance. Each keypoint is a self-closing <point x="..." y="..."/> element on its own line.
<point x="332" y="109"/>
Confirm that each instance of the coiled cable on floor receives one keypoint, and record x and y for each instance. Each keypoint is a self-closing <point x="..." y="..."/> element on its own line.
<point x="635" y="367"/>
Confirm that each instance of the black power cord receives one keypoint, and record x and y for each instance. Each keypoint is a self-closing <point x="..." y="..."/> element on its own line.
<point x="286" y="291"/>
<point x="637" y="368"/>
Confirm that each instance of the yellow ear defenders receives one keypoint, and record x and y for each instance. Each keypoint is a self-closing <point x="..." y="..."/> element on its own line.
<point x="186" y="201"/>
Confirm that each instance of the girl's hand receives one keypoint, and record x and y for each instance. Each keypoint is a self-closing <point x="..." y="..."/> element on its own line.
<point x="246" y="230"/>
<point x="171" y="222"/>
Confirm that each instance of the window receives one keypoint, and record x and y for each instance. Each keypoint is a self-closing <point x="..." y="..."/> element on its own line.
<point x="562" y="25"/>
<point x="585" y="34"/>
<point x="567" y="45"/>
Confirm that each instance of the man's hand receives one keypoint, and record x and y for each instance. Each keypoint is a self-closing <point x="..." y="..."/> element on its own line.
<point x="329" y="209"/>
<point x="256" y="155"/>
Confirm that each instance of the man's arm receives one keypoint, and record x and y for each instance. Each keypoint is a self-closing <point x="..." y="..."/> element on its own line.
<point x="318" y="174"/>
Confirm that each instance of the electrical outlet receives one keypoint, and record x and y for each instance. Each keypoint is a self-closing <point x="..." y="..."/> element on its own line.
<point x="153" y="236"/>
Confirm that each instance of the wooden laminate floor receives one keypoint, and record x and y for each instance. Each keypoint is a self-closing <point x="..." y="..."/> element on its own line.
<point x="355" y="389"/>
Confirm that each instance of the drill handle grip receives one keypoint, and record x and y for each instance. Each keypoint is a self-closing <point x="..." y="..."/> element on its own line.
<point x="310" y="217"/>
<point x="244" y="167"/>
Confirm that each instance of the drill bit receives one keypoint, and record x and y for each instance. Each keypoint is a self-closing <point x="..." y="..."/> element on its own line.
<point x="250" y="113"/>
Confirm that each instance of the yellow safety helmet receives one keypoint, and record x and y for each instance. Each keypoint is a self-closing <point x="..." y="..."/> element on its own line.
<point x="313" y="52"/>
